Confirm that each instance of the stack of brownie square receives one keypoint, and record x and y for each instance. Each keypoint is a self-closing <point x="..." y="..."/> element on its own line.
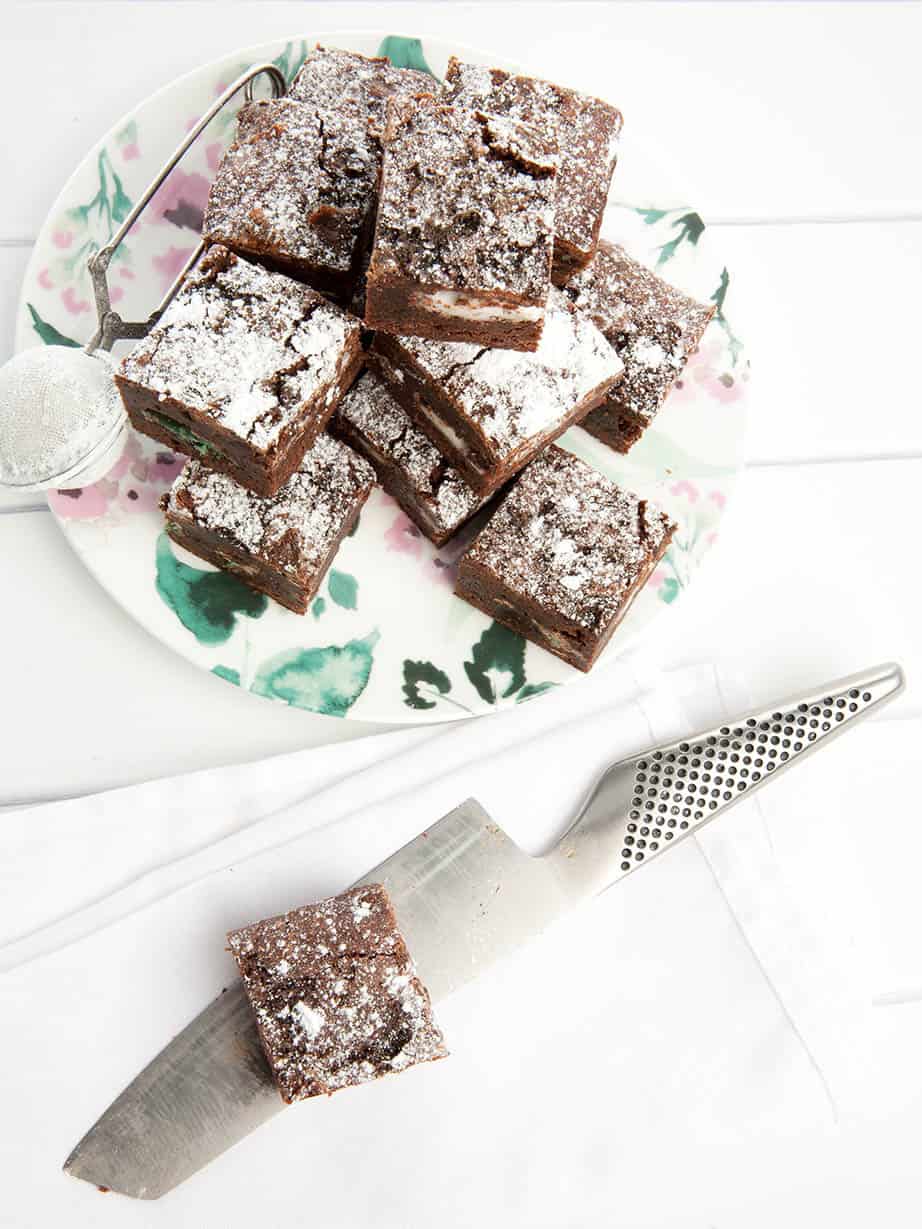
<point x="446" y="238"/>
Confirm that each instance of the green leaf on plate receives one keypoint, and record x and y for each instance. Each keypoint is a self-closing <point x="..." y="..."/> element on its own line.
<point x="47" y="332"/>
<point x="530" y="690"/>
<point x="327" y="680"/>
<point x="669" y="589"/>
<point x="405" y="53"/>
<point x="344" y="589"/>
<point x="719" y="296"/>
<point x="416" y="672"/>
<point x="497" y="665"/>
<point x="690" y="229"/>
<point x="206" y="603"/>
<point x="225" y="672"/>
<point x="650" y="216"/>
<point x="290" y="59"/>
<point x="318" y="607"/>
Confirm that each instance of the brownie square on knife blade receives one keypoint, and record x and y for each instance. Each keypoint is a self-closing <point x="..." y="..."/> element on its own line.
<point x="280" y="544"/>
<point x="564" y="555"/>
<point x="463" y="240"/>
<point x="243" y="370"/>
<point x="336" y="994"/>
<point x="409" y="466"/>
<point x="654" y="327"/>
<point x="490" y="411"/>
<point x="587" y="132"/>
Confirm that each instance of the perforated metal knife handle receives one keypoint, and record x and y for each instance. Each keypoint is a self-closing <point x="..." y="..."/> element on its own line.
<point x="644" y="805"/>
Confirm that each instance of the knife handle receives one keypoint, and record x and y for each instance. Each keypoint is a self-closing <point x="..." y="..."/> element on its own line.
<point x="644" y="805"/>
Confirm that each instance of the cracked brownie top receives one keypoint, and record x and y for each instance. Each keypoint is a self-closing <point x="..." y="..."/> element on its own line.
<point x="570" y="540"/>
<point x="389" y="431"/>
<point x="336" y="994"/>
<point x="297" y="184"/>
<point x="467" y="201"/>
<point x="291" y="531"/>
<point x="249" y="348"/>
<point x="335" y="80"/>
<point x="586" y="128"/>
<point x="653" y="326"/>
<point x="513" y="396"/>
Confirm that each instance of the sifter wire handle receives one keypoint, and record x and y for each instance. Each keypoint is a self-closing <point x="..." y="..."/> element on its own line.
<point x="111" y="326"/>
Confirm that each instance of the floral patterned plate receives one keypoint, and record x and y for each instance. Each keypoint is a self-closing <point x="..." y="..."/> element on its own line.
<point x="385" y="640"/>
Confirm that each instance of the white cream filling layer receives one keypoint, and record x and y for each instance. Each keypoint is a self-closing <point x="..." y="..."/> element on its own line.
<point x="450" y="435"/>
<point x="469" y="307"/>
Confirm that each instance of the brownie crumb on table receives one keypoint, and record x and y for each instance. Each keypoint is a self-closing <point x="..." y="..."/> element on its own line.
<point x="654" y="327"/>
<point x="242" y="371"/>
<point x="464" y="235"/>
<point x="489" y="411"/>
<point x="281" y="544"/>
<point x="409" y="466"/>
<point x="336" y="995"/>
<point x="587" y="131"/>
<point x="563" y="556"/>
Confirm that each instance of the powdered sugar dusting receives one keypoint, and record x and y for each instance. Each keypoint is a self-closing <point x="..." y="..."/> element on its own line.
<point x="654" y="326"/>
<point x="344" y="81"/>
<point x="249" y="348"/>
<point x="512" y="396"/>
<point x="391" y="439"/>
<point x="293" y="530"/>
<point x="467" y="202"/>
<point x="349" y="1007"/>
<point x="587" y="131"/>
<point x="298" y="185"/>
<point x="570" y="540"/>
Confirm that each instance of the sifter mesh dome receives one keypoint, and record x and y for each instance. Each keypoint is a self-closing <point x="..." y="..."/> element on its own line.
<point x="57" y="405"/>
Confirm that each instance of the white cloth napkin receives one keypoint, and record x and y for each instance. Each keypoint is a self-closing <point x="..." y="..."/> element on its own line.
<point x="703" y="1014"/>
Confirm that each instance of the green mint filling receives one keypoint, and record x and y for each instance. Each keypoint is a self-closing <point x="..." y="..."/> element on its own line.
<point x="181" y="432"/>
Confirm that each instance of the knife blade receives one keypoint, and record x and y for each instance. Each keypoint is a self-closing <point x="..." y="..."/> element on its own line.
<point x="465" y="897"/>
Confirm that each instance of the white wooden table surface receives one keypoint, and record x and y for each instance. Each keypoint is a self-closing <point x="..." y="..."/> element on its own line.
<point x="794" y="131"/>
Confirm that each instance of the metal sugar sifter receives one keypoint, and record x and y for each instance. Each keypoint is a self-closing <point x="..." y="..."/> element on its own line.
<point x="62" y="422"/>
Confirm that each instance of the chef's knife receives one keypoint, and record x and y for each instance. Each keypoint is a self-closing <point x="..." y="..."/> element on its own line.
<point x="465" y="897"/>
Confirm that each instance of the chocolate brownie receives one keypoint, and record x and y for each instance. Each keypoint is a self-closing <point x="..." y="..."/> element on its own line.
<point x="409" y="467"/>
<point x="336" y="994"/>
<point x="463" y="241"/>
<point x="296" y="190"/>
<point x="587" y="131"/>
<point x="653" y="326"/>
<point x="344" y="81"/>
<point x="243" y="370"/>
<point x="490" y="411"/>
<point x="563" y="556"/>
<point x="280" y="544"/>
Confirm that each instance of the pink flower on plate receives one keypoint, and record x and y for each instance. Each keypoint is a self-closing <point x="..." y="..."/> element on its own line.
<point x="74" y="305"/>
<point x="719" y="499"/>
<point x="685" y="488"/>
<point x="180" y="201"/>
<point x="116" y="293"/>
<point x="131" y="151"/>
<point x="170" y="263"/>
<point x="44" y="280"/>
<point x="62" y="238"/>
<point x="214" y="153"/>
<point x="133" y="484"/>
<point x="126" y="273"/>
<point x="84" y="503"/>
<point x="403" y="537"/>
<point x="707" y="370"/>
